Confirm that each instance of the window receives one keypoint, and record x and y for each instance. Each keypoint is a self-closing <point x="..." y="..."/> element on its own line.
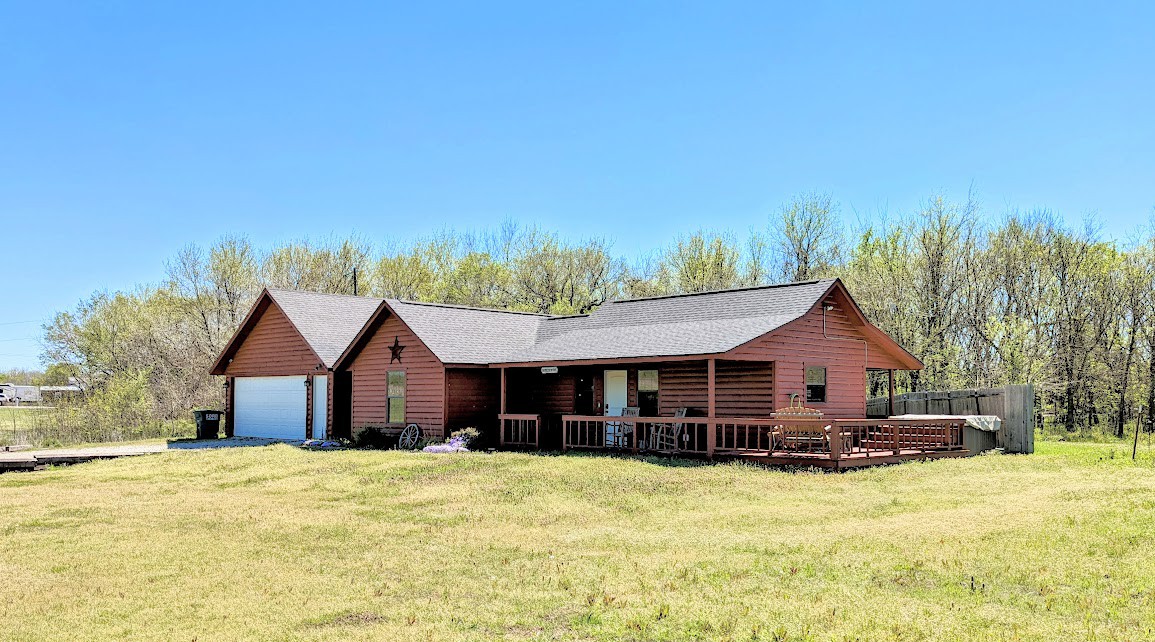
<point x="396" y="404"/>
<point x="816" y="384"/>
<point x="648" y="393"/>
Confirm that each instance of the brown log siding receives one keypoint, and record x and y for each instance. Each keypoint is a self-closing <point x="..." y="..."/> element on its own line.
<point x="273" y="348"/>
<point x="424" y="380"/>
<point x="530" y="391"/>
<point x="801" y="344"/>
<point x="471" y="398"/>
<point x="744" y="389"/>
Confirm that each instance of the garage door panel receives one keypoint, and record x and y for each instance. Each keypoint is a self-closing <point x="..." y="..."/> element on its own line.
<point x="273" y="407"/>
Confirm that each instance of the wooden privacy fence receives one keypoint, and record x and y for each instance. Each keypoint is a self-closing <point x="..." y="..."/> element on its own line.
<point x="1013" y="404"/>
<point x="838" y="440"/>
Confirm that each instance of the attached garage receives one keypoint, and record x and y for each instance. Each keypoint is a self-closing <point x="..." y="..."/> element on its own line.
<point x="278" y="367"/>
<point x="272" y="407"/>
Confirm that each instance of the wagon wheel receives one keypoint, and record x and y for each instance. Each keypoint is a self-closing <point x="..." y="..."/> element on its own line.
<point x="409" y="437"/>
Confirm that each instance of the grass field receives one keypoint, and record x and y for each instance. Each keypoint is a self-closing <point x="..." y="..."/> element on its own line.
<point x="278" y="543"/>
<point x="47" y="426"/>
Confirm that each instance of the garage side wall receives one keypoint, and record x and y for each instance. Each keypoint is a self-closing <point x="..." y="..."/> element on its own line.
<point x="424" y="380"/>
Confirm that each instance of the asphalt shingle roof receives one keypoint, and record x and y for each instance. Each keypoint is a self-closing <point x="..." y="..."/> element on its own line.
<point x="328" y="322"/>
<point x="688" y="324"/>
<point x="459" y="334"/>
<point x="705" y="323"/>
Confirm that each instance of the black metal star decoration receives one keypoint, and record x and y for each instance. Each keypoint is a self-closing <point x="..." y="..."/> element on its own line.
<point x="395" y="350"/>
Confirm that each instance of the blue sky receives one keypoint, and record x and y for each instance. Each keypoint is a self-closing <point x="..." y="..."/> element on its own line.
<point x="129" y="129"/>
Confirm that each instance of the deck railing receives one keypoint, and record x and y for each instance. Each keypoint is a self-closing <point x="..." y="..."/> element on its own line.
<point x="520" y="431"/>
<point x="837" y="439"/>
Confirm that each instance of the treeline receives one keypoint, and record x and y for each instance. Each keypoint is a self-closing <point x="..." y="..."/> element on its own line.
<point x="1023" y="299"/>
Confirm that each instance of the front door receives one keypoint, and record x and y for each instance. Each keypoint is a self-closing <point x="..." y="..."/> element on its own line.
<point x="320" y="406"/>
<point x="583" y="399"/>
<point x="615" y="397"/>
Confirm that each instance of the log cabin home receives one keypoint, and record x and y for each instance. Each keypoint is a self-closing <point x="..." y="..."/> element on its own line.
<point x="775" y="373"/>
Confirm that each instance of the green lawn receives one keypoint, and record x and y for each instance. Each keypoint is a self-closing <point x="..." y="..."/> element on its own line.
<point x="279" y="543"/>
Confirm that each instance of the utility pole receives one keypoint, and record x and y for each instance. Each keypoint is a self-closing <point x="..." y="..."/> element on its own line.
<point x="354" y="281"/>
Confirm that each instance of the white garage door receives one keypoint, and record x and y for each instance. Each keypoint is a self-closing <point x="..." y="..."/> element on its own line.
<point x="270" y="407"/>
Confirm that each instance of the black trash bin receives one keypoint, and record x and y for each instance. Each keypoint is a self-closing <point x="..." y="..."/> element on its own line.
<point x="208" y="423"/>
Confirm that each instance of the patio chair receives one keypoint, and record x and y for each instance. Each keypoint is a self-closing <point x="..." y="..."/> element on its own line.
<point x="665" y="436"/>
<point x="618" y="432"/>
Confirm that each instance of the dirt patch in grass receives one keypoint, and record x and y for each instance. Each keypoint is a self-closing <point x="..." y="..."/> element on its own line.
<point x="361" y="618"/>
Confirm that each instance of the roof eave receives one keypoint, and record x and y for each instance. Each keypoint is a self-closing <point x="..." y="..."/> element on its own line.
<point x="608" y="360"/>
<point x="221" y="363"/>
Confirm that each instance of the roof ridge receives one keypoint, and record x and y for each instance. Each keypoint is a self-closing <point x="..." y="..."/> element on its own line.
<point x="455" y="306"/>
<point x="330" y="294"/>
<point x="723" y="291"/>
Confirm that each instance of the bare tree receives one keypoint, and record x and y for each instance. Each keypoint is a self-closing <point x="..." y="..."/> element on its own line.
<point x="809" y="236"/>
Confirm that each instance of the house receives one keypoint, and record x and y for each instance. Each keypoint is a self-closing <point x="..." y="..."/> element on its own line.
<point x="722" y="362"/>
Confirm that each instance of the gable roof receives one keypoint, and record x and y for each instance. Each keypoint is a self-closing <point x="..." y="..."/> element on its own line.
<point x="667" y="326"/>
<point x="326" y="322"/>
<point x="459" y="334"/>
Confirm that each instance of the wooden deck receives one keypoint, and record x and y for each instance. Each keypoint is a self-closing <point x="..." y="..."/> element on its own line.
<point x="836" y="444"/>
<point x="848" y="460"/>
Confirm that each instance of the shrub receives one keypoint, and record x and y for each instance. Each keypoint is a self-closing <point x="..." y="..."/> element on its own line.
<point x="467" y="436"/>
<point x="373" y="438"/>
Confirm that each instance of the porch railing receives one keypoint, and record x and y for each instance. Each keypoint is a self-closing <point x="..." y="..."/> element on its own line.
<point x="520" y="431"/>
<point x="836" y="439"/>
<point x="657" y="434"/>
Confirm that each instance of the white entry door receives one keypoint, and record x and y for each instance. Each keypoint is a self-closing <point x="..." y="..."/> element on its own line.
<point x="320" y="406"/>
<point x="271" y="407"/>
<point x="616" y="398"/>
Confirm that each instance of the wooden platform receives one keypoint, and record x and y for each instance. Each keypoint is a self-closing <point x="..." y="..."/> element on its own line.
<point x="39" y="459"/>
<point x="12" y="460"/>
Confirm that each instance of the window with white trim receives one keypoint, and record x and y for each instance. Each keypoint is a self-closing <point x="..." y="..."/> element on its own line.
<point x="395" y="406"/>
<point x="815" y="384"/>
<point x="648" y="393"/>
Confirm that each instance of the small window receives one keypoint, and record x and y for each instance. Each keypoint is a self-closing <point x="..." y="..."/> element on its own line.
<point x="648" y="393"/>
<point x="816" y="384"/>
<point x="396" y="393"/>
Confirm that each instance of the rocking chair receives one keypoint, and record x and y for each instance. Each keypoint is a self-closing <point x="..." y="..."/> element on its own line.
<point x="665" y="436"/>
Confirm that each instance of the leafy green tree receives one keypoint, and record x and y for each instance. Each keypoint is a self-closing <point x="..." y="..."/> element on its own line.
<point x="701" y="262"/>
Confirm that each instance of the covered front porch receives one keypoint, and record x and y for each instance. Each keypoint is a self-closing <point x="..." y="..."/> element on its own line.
<point x="711" y="408"/>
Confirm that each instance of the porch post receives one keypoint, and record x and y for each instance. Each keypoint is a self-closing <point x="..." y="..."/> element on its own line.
<point x="711" y="409"/>
<point x="502" y="391"/>
<point x="710" y="387"/>
<point x="500" y="418"/>
<point x="890" y="398"/>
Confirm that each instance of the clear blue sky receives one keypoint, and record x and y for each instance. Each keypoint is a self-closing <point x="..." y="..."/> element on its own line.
<point x="129" y="129"/>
